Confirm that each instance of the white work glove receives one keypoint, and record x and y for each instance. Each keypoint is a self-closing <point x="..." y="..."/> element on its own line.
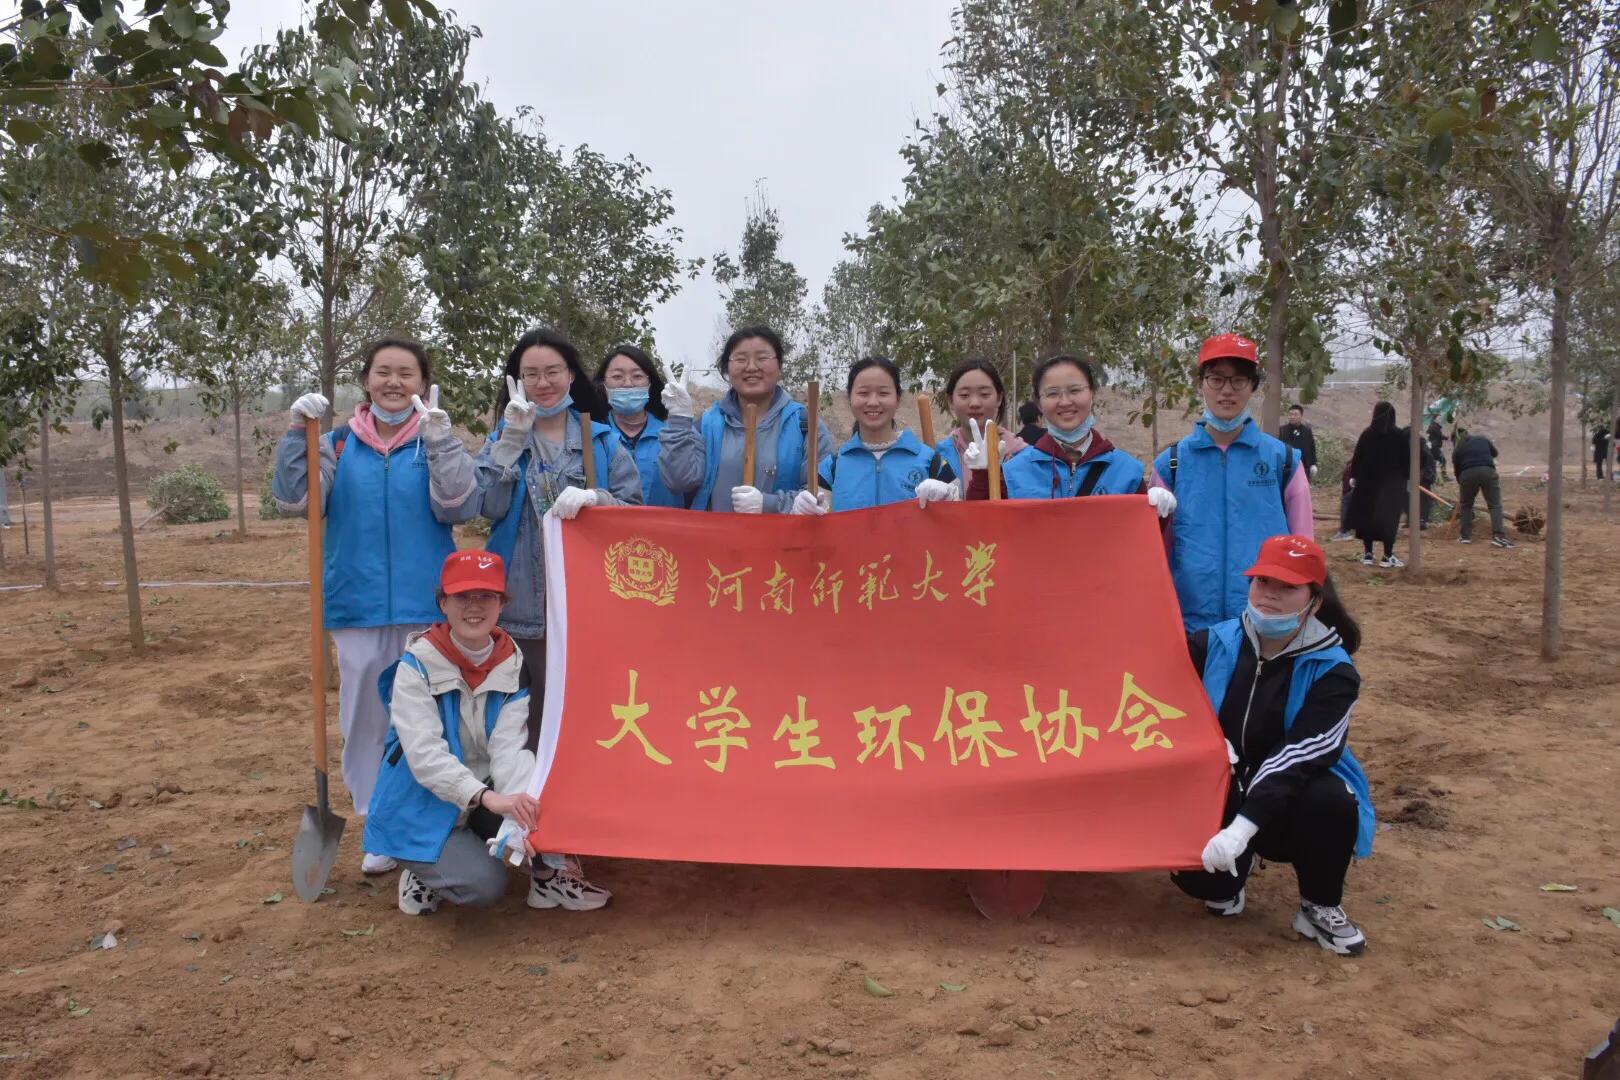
<point x="508" y="844"/>
<point x="977" y="454"/>
<point x="747" y="500"/>
<point x="1224" y="848"/>
<point x="1162" y="501"/>
<point x="309" y="407"/>
<point x="571" y="500"/>
<point x="931" y="490"/>
<point x="435" y="422"/>
<point x="519" y="414"/>
<point x="806" y="503"/>
<point x="677" y="401"/>
<point x="1313" y="472"/>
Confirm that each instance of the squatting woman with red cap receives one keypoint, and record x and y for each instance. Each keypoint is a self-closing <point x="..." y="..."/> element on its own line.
<point x="1283" y="685"/>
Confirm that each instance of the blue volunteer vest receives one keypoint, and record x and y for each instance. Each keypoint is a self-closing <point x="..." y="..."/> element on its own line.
<point x="790" y="474"/>
<point x="1035" y="474"/>
<point x="645" y="451"/>
<point x="953" y="458"/>
<point x="1225" y="639"/>
<point x="859" y="478"/>
<point x="503" y="537"/>
<point x="1227" y="504"/>
<point x="384" y="547"/>
<point x="405" y="820"/>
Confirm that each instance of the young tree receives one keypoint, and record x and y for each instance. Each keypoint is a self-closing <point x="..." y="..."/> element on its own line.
<point x="762" y="287"/>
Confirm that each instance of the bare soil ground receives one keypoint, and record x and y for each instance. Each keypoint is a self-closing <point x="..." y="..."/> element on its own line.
<point x="168" y="791"/>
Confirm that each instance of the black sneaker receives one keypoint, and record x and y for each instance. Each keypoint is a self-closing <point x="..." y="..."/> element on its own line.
<point x="1501" y="541"/>
<point x="1226" y="909"/>
<point x="1331" y="928"/>
<point x="1465" y="539"/>
<point x="1367" y="559"/>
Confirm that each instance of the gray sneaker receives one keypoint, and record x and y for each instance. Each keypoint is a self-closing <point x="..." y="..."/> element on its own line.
<point x="1331" y="928"/>
<point x="1501" y="541"/>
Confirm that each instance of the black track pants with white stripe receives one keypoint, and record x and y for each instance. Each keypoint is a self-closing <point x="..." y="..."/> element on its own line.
<point x="1316" y="833"/>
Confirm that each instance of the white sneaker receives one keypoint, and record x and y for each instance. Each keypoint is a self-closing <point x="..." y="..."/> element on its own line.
<point x="416" y="898"/>
<point x="377" y="864"/>
<point x="1391" y="562"/>
<point x="1330" y="928"/>
<point x="567" y="889"/>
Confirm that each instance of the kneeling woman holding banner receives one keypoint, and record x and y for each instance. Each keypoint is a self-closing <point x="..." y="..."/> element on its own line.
<point x="880" y="464"/>
<point x="1283" y="684"/>
<point x="455" y="762"/>
<point x="1073" y="458"/>
<point x="749" y="452"/>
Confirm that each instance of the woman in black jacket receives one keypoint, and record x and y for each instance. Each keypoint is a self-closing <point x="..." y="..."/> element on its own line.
<point x="1283" y="685"/>
<point x="1380" y="466"/>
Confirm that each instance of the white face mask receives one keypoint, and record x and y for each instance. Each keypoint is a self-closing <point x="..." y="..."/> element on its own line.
<point x="1275" y="626"/>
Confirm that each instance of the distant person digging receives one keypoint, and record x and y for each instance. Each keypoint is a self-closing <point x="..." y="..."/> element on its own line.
<point x="1473" y="459"/>
<point x="1298" y="434"/>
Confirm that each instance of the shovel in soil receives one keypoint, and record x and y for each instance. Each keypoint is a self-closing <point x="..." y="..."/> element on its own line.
<point x="1007" y="894"/>
<point x="316" y="847"/>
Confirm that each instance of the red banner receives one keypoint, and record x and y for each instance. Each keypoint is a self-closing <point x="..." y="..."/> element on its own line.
<point x="974" y="686"/>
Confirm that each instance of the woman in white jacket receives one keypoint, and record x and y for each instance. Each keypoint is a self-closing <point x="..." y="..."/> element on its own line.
<point x="456" y="762"/>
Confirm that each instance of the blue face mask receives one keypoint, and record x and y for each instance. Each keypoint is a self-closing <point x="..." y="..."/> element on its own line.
<point x="1071" y="436"/>
<point x="1226" y="425"/>
<point x="554" y="410"/>
<point x="628" y="400"/>
<point x="394" y="418"/>
<point x="1273" y="626"/>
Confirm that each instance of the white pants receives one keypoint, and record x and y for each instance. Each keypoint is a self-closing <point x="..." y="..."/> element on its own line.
<point x="363" y="653"/>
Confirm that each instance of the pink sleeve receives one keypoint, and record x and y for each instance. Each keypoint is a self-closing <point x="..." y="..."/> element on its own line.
<point x="1157" y="480"/>
<point x="1297" y="500"/>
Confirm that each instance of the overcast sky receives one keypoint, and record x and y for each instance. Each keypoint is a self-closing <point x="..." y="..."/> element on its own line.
<point x="812" y="98"/>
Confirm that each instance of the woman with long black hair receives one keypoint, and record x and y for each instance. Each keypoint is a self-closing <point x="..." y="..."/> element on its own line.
<point x="1283" y="685"/>
<point x="629" y="381"/>
<point x="1378" y="468"/>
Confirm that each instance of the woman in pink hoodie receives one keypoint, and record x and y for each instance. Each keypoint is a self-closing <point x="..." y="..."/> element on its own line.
<point x="393" y="480"/>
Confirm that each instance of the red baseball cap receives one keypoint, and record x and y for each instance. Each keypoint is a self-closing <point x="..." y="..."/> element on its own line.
<point x="1291" y="559"/>
<point x="1228" y="347"/>
<point x="471" y="570"/>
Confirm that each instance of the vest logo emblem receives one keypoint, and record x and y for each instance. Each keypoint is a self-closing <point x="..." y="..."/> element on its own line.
<point x="1261" y="469"/>
<point x="638" y="569"/>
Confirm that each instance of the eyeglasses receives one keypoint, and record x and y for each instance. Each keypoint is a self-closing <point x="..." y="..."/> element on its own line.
<point x="755" y="362"/>
<point x="1064" y="393"/>
<point x="477" y="597"/>
<point x="1221" y="382"/>
<point x="627" y="378"/>
<point x="551" y="374"/>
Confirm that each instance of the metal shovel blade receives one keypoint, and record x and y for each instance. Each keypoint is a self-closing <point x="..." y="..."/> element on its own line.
<point x="1007" y="894"/>
<point x="316" y="847"/>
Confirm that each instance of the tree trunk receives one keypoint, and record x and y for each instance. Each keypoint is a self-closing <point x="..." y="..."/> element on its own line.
<point x="1154" y="390"/>
<point x="1614" y="456"/>
<point x="1057" y="312"/>
<point x="1279" y="283"/>
<point x="110" y="352"/>
<point x="241" y="503"/>
<point x="1552" y="576"/>
<point x="45" y="496"/>
<point x="1586" y="387"/>
<point x="1414" y="493"/>
<point x="22" y="486"/>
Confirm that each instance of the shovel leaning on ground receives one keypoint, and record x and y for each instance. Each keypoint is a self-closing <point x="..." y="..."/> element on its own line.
<point x="315" y="849"/>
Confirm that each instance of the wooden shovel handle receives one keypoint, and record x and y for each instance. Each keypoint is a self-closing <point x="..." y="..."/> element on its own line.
<point x="814" y="480"/>
<point x="750" y="442"/>
<point x="925" y="418"/>
<point x="992" y="439"/>
<point x="317" y="586"/>
<point x="588" y="452"/>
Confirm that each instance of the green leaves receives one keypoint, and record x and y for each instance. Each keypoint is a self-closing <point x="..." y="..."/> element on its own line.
<point x="1546" y="45"/>
<point x="875" y="988"/>
<point x="1502" y="923"/>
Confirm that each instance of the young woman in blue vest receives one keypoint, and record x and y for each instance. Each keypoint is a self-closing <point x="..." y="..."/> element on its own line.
<point x="634" y="390"/>
<point x="1283" y="685"/>
<point x="534" y="462"/>
<point x="1072" y="458"/>
<point x="455" y="761"/>
<point x="393" y="480"/>
<point x="880" y="463"/>
<point x="976" y="395"/>
<point x="705" y="457"/>
<point x="1234" y="487"/>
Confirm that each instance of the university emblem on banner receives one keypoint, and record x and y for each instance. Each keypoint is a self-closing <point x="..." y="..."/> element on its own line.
<point x="638" y="569"/>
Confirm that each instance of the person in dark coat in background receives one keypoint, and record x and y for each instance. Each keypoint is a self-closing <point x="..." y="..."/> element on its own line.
<point x="1437" y="444"/>
<point x="1600" y="448"/>
<point x="1029" y="415"/>
<point x="1379" y="467"/>
<point x="1430" y="470"/>
<point x="1473" y="460"/>
<point x="1297" y="433"/>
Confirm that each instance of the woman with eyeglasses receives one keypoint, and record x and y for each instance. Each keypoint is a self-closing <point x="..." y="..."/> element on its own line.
<point x="1235" y="487"/>
<point x="534" y="462"/>
<point x="634" y="390"/>
<point x="706" y="457"/>
<point x="881" y="463"/>
<point x="1072" y="458"/>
